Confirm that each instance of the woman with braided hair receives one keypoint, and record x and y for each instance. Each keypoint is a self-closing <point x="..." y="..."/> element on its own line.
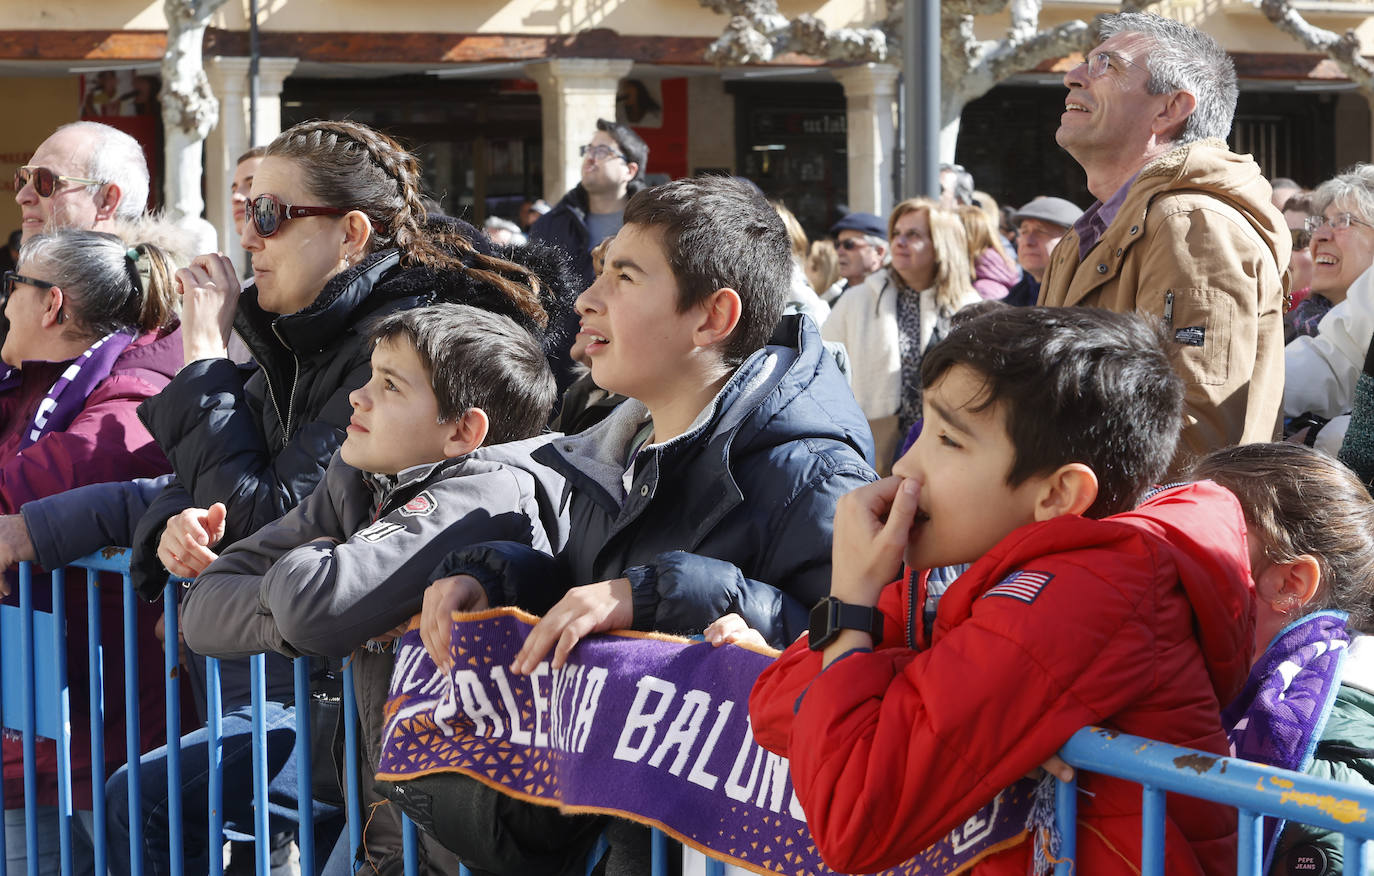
<point x="338" y="238"/>
<point x="93" y="333"/>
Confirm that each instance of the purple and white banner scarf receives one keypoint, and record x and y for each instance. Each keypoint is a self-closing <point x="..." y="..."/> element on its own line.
<point x="1280" y="714"/>
<point x="69" y="392"/>
<point x="644" y="726"/>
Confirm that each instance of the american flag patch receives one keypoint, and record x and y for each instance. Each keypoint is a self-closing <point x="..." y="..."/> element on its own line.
<point x="1024" y="585"/>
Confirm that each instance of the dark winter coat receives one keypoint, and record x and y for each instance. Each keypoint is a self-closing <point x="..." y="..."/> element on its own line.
<point x="733" y="516"/>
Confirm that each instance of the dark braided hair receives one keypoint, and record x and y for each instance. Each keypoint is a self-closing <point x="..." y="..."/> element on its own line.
<point x="349" y="165"/>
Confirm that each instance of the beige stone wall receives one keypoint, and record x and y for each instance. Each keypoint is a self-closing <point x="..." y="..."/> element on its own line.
<point x="1236" y="24"/>
<point x="684" y="18"/>
<point x="711" y="120"/>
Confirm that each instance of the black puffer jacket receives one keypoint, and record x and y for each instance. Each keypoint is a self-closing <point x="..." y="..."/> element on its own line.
<point x="258" y="438"/>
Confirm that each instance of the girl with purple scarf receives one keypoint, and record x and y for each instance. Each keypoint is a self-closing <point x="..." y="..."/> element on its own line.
<point x="1309" y="702"/>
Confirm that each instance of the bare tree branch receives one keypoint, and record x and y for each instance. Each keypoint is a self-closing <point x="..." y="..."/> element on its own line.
<point x="1343" y="49"/>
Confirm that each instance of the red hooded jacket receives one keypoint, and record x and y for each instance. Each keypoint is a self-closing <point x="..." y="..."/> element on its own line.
<point x="1142" y="622"/>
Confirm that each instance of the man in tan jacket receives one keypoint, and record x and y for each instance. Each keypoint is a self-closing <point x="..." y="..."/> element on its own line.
<point x="1183" y="228"/>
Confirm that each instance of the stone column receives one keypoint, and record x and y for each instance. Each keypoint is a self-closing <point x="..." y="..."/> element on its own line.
<point x="575" y="92"/>
<point x="230" y="139"/>
<point x="870" y="92"/>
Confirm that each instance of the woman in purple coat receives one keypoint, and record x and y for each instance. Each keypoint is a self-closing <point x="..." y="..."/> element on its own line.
<point x="92" y="334"/>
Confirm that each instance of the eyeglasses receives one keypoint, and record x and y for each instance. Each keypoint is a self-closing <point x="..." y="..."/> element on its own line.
<point x="10" y="278"/>
<point x="1338" y="222"/>
<point x="267" y="213"/>
<point x="599" y="152"/>
<point x="852" y="243"/>
<point x="46" y="180"/>
<point x="909" y="236"/>
<point x="1302" y="238"/>
<point x="1100" y="62"/>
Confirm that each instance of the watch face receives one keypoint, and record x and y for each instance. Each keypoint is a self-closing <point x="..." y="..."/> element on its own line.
<point x="822" y="630"/>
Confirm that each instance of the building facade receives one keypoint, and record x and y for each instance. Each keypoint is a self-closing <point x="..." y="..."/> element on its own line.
<point x="496" y="95"/>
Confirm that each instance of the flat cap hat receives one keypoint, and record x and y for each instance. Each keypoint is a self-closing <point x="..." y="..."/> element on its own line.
<point x="1056" y="211"/>
<point x="865" y="222"/>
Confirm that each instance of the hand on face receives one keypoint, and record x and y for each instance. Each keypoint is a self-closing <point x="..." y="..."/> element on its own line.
<point x="872" y="528"/>
<point x="209" y="300"/>
<point x="185" y="546"/>
<point x="592" y="608"/>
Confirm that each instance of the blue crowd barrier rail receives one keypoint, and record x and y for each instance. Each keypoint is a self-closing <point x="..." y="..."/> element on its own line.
<point x="35" y="702"/>
<point x="1253" y="789"/>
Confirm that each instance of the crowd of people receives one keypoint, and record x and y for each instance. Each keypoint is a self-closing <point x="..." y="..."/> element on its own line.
<point x="920" y="456"/>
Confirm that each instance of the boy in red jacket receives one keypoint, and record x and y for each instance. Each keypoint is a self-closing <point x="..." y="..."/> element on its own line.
<point x="1043" y="428"/>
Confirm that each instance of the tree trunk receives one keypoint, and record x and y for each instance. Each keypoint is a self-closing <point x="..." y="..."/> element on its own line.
<point x="189" y="109"/>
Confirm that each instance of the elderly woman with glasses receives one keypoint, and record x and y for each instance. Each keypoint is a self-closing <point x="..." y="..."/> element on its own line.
<point x="92" y="334"/>
<point x="338" y="237"/>
<point x="1321" y="371"/>
<point x="889" y="320"/>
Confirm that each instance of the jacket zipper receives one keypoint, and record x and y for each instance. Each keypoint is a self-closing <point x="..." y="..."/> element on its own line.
<point x="1168" y="309"/>
<point x="291" y="399"/>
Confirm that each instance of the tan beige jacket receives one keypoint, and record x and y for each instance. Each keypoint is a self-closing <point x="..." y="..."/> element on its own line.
<point x="1198" y="245"/>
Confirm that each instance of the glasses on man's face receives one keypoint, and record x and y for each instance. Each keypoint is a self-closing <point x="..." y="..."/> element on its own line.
<point x="599" y="152"/>
<point x="267" y="213"/>
<point x="1100" y="62"/>
<point x="852" y="243"/>
<point x="1339" y="222"/>
<point x="46" y="180"/>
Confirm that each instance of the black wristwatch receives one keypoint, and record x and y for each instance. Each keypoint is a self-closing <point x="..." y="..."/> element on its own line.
<point x="830" y="616"/>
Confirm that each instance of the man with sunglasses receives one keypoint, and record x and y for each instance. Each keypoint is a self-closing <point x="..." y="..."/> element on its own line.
<point x="1183" y="228"/>
<point x="860" y="247"/>
<point x="613" y="164"/>
<point x="85" y="175"/>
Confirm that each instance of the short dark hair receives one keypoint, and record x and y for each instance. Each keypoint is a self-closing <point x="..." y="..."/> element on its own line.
<point x="1301" y="501"/>
<point x="720" y="232"/>
<point x="478" y="359"/>
<point x="255" y="152"/>
<point x="632" y="146"/>
<point x="1078" y="384"/>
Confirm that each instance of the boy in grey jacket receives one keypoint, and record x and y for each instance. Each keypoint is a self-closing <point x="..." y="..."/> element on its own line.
<point x="437" y="456"/>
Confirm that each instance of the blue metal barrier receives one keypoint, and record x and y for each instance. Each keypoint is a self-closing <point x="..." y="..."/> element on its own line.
<point x="1253" y="789"/>
<point x="35" y="717"/>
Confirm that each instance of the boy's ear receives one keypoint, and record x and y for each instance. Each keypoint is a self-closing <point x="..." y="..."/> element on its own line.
<point x="1069" y="489"/>
<point x="1289" y="586"/>
<point x="720" y="313"/>
<point x="466" y="433"/>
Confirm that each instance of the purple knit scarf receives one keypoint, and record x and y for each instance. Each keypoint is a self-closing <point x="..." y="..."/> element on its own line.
<point x="1280" y="714"/>
<point x="68" y="394"/>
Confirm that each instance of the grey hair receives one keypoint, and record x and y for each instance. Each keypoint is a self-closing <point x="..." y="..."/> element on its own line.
<point x="1352" y="187"/>
<point x="875" y="241"/>
<point x="101" y="283"/>
<point x="117" y="158"/>
<point x="963" y="182"/>
<point x="1183" y="58"/>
